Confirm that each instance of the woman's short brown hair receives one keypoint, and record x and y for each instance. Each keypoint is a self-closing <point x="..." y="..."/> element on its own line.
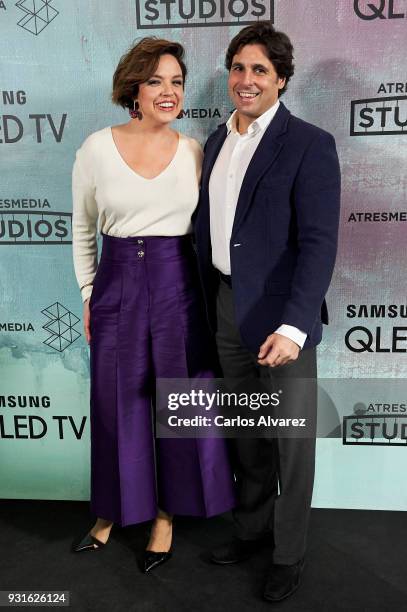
<point x="139" y="64"/>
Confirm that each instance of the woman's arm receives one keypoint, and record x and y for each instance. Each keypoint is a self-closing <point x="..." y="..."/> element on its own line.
<point x="84" y="228"/>
<point x="84" y="221"/>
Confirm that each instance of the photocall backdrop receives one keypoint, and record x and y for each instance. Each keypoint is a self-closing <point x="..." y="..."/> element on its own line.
<point x="57" y="61"/>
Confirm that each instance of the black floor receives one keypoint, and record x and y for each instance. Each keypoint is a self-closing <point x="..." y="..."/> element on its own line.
<point x="356" y="560"/>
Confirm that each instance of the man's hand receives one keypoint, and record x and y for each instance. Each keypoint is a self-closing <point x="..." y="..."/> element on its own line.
<point x="86" y="320"/>
<point x="278" y="350"/>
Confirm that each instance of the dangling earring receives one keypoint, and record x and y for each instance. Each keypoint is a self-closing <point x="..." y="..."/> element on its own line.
<point x="180" y="114"/>
<point x="135" y="113"/>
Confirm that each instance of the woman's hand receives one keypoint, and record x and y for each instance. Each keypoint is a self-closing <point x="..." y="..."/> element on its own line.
<point x="86" y="320"/>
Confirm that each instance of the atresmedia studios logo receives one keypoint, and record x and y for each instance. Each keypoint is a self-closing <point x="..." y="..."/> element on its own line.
<point x="35" y="227"/>
<point x="201" y="13"/>
<point x="386" y="116"/>
<point x="60" y="325"/>
<point x="379" y="429"/>
<point x="380" y="9"/>
<point x="38" y="14"/>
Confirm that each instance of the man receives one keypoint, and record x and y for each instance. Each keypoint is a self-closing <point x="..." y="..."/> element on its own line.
<point x="266" y="232"/>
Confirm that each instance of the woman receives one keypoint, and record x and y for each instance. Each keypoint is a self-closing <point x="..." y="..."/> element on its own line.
<point x="143" y="314"/>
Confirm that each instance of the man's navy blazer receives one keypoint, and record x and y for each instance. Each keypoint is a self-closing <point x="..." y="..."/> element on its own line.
<point x="284" y="236"/>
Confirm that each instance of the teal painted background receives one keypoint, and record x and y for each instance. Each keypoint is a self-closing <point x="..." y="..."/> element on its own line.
<point x="66" y="70"/>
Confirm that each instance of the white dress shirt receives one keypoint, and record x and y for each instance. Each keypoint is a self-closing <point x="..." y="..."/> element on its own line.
<point x="230" y="166"/>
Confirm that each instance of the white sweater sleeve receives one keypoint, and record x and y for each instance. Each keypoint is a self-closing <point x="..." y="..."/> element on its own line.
<point x="84" y="222"/>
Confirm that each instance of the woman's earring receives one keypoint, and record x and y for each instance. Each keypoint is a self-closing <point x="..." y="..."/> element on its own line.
<point x="180" y="115"/>
<point x="135" y="113"/>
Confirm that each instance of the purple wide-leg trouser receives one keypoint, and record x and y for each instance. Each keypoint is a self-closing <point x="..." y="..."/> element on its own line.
<point x="148" y="321"/>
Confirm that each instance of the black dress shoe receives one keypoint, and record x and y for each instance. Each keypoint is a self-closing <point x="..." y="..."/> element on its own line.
<point x="152" y="559"/>
<point x="234" y="551"/>
<point x="283" y="581"/>
<point x="89" y="542"/>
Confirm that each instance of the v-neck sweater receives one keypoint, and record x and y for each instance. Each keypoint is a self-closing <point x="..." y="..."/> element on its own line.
<point x="110" y="197"/>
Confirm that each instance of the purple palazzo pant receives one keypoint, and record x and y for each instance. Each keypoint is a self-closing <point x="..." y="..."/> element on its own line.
<point x="148" y="321"/>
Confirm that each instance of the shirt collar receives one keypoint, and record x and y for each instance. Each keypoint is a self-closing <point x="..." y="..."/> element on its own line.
<point x="261" y="123"/>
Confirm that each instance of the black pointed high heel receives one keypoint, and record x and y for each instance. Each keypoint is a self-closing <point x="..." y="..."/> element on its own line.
<point x="88" y="543"/>
<point x="153" y="559"/>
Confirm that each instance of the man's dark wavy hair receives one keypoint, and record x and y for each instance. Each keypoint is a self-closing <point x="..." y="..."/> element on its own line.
<point x="277" y="45"/>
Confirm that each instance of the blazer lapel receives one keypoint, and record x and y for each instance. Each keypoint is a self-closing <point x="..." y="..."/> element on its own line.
<point x="266" y="153"/>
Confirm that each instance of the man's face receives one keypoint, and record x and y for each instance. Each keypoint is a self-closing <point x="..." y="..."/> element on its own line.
<point x="253" y="82"/>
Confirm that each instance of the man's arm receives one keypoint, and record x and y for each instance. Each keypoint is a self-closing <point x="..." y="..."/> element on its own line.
<point x="316" y="202"/>
<point x="293" y="333"/>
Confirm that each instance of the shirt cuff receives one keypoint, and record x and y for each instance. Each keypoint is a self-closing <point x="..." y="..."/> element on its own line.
<point x="86" y="292"/>
<point x="293" y="333"/>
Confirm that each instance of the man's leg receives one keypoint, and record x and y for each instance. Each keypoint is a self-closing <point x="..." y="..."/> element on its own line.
<point x="253" y="460"/>
<point x="296" y="456"/>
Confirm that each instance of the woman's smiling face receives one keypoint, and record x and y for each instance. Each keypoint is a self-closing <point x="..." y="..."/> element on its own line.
<point x="161" y="97"/>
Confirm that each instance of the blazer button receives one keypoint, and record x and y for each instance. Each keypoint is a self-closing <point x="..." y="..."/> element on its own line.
<point x="140" y="254"/>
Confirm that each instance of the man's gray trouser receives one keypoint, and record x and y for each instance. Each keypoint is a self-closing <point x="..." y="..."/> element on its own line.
<point x="275" y="476"/>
